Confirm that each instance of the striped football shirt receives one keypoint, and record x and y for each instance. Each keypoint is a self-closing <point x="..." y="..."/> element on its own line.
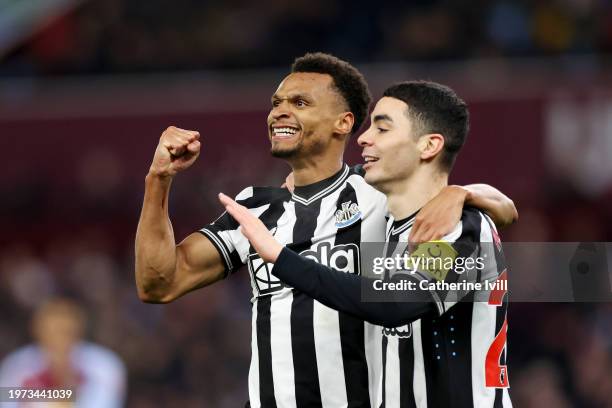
<point x="305" y="354"/>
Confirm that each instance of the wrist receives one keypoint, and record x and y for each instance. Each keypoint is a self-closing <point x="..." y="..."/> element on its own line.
<point x="275" y="252"/>
<point x="463" y="194"/>
<point x="158" y="177"/>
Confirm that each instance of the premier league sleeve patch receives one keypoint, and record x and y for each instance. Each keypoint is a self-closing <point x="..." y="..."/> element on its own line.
<point x="435" y="258"/>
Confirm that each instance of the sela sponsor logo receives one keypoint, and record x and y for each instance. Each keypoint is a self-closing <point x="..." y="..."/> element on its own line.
<point x="348" y="214"/>
<point x="403" y="332"/>
<point x="262" y="277"/>
<point x="344" y="258"/>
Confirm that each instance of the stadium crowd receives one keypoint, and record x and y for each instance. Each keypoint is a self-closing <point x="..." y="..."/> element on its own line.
<point x="144" y="35"/>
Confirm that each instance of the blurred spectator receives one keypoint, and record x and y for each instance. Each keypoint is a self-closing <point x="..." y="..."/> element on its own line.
<point x="144" y="35"/>
<point x="60" y="359"/>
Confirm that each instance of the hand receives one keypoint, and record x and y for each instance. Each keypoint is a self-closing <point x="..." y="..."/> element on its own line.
<point x="177" y="150"/>
<point x="253" y="229"/>
<point x="439" y="216"/>
<point x="289" y="183"/>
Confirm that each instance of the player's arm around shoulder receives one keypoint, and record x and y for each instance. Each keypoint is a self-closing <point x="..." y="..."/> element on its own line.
<point x="163" y="270"/>
<point x="441" y="213"/>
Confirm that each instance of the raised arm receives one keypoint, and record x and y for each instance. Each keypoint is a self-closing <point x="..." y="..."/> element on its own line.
<point x="164" y="271"/>
<point x="440" y="215"/>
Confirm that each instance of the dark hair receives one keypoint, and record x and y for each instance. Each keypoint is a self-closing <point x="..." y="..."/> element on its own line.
<point x="347" y="80"/>
<point x="435" y="108"/>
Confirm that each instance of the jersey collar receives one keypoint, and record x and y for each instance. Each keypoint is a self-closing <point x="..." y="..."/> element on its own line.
<point x="399" y="226"/>
<point x="312" y="192"/>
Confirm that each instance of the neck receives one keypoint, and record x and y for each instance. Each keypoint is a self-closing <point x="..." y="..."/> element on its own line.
<point x="409" y="195"/>
<point x="315" y="168"/>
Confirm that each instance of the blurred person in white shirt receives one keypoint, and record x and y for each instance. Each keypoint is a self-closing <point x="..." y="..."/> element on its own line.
<point x="61" y="359"/>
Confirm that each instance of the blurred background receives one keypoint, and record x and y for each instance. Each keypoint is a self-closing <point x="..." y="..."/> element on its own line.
<point x="88" y="86"/>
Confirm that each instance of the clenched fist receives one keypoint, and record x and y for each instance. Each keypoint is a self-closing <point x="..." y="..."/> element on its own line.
<point x="177" y="150"/>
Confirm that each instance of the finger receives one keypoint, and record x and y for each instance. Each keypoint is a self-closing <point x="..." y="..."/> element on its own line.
<point x="239" y="212"/>
<point x="194" y="146"/>
<point x="435" y="235"/>
<point x="187" y="132"/>
<point x="177" y="150"/>
<point x="225" y="200"/>
<point x="235" y="213"/>
<point x="191" y="135"/>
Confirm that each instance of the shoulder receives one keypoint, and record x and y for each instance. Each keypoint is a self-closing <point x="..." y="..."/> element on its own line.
<point x="365" y="192"/>
<point x="95" y="355"/>
<point x="22" y="355"/>
<point x="478" y="223"/>
<point x="20" y="364"/>
<point x="471" y="226"/>
<point x="254" y="196"/>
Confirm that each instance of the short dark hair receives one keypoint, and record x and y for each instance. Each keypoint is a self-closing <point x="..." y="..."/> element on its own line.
<point x="347" y="80"/>
<point x="435" y="108"/>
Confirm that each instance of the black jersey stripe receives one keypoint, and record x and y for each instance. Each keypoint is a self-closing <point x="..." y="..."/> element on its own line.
<point x="352" y="330"/>
<point x="307" y="388"/>
<point x="385" y="344"/>
<point x="264" y="347"/>
<point x="406" y="375"/>
<point x="458" y="344"/>
<point x="264" y="329"/>
<point x="436" y="366"/>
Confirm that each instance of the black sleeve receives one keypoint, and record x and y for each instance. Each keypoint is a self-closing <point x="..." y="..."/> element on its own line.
<point x="219" y="234"/>
<point x="342" y="291"/>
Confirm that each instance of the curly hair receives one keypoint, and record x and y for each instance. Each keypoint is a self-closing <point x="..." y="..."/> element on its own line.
<point x="347" y="81"/>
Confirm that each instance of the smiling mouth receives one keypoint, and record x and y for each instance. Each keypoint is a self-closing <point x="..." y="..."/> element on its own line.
<point x="369" y="161"/>
<point x="284" y="132"/>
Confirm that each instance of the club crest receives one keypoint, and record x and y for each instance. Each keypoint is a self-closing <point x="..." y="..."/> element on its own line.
<point x="348" y="214"/>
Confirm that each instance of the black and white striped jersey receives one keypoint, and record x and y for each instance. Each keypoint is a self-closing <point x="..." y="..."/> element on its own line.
<point x="457" y="356"/>
<point x="442" y="348"/>
<point x="305" y="354"/>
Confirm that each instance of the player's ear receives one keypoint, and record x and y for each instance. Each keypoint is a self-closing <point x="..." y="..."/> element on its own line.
<point x="430" y="145"/>
<point x="344" y="123"/>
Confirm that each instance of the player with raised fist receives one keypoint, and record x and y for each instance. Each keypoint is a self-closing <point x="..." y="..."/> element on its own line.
<point x="177" y="150"/>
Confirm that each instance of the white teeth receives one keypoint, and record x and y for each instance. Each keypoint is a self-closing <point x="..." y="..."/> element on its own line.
<point x="284" y="132"/>
<point x="369" y="159"/>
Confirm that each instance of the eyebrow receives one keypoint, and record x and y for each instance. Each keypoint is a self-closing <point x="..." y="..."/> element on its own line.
<point x="382" y="117"/>
<point x="293" y="96"/>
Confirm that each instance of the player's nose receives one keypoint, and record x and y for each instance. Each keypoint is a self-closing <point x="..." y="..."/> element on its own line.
<point x="365" y="139"/>
<point x="280" y="111"/>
